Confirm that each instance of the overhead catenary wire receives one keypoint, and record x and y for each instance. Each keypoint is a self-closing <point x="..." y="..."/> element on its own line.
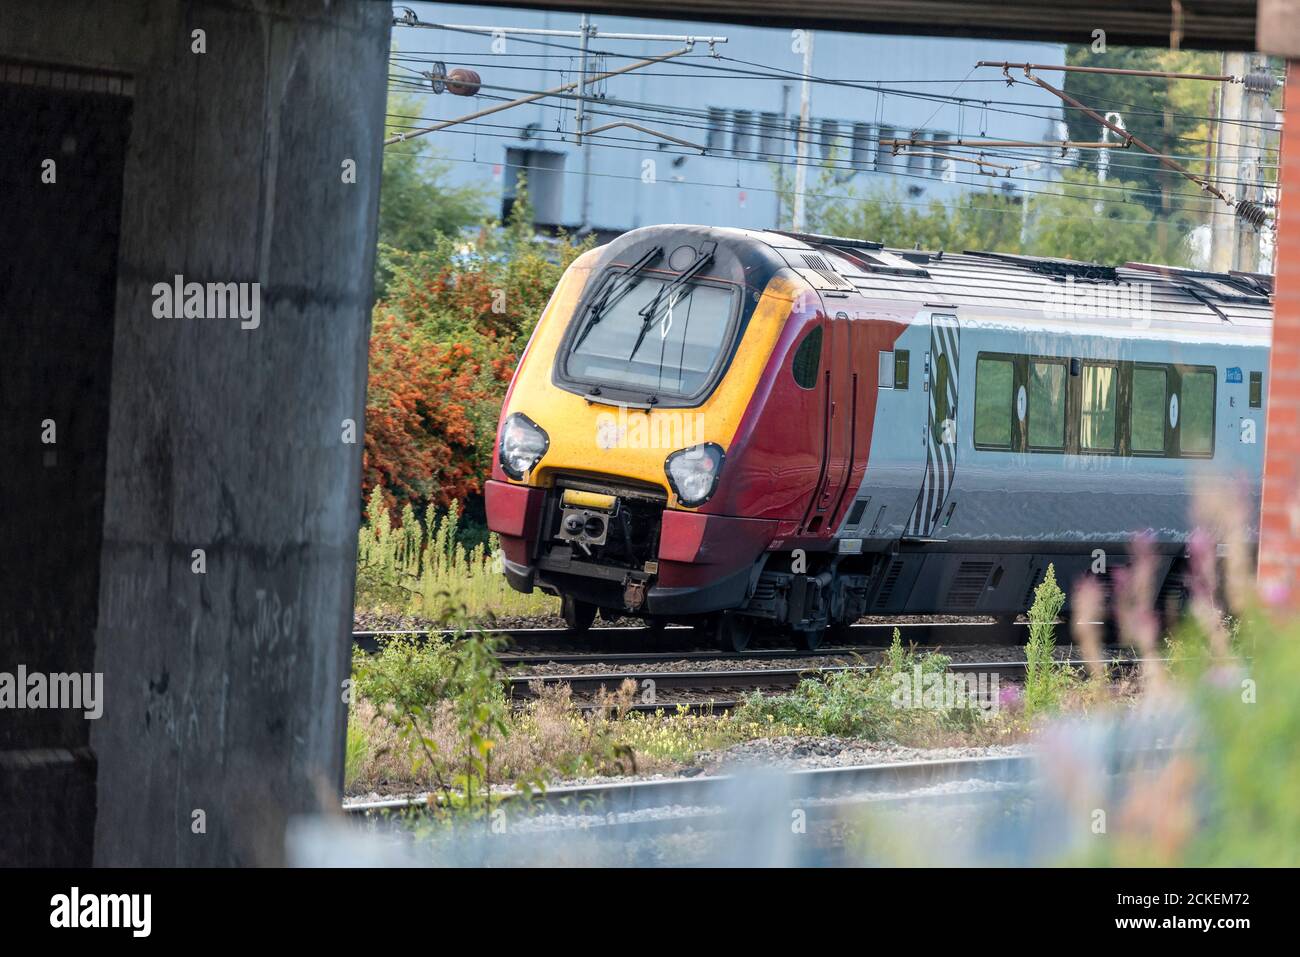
<point x="768" y="189"/>
<point x="1047" y="111"/>
<point x="759" y="121"/>
<point x="532" y="97"/>
<point x="960" y="102"/>
<point x="759" y="155"/>
<point x="767" y="71"/>
<point x="684" y="117"/>
<point x="901" y="174"/>
<point x="1131" y="138"/>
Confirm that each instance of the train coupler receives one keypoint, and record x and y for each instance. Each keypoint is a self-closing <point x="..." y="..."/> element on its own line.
<point x="634" y="593"/>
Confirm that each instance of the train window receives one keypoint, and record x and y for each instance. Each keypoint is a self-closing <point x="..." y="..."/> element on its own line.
<point x="1097" y="411"/>
<point x="1147" y="415"/>
<point x="672" y="350"/>
<point x="886" y="370"/>
<point x="808" y="359"/>
<point x="1196" y="409"/>
<point x="900" y="368"/>
<point x="993" y="382"/>
<point x="1256" y="390"/>
<point x="943" y="434"/>
<point x="1047" y="404"/>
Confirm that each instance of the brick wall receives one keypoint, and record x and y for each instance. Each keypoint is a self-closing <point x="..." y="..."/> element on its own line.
<point x="1279" y="542"/>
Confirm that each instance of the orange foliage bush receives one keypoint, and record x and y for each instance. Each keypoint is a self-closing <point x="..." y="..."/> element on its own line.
<point x="444" y="344"/>
<point x="421" y="442"/>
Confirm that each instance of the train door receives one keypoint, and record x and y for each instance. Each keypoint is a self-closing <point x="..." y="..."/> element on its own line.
<point x="838" y="410"/>
<point x="940" y="381"/>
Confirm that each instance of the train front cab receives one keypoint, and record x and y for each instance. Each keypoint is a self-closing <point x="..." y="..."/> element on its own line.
<point x="649" y="450"/>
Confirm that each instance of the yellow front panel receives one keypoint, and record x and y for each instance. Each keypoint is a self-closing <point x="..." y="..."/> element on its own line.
<point x="580" y="499"/>
<point x="619" y="442"/>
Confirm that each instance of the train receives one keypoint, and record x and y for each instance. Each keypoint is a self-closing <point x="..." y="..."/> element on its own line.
<point x="752" y="430"/>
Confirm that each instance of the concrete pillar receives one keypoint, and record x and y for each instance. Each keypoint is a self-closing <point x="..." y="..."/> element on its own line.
<point x="223" y="687"/>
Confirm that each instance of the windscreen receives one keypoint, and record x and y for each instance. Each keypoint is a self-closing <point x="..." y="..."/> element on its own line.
<point x="656" y="336"/>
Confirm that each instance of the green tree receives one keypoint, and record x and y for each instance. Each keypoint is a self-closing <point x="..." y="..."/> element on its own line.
<point x="1067" y="220"/>
<point x="1073" y="224"/>
<point x="1172" y="116"/>
<point x="448" y="333"/>
<point x="1169" y="115"/>
<point x="417" y="203"/>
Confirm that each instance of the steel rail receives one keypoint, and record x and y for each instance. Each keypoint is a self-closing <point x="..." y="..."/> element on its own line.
<point x="921" y="632"/>
<point x="806" y="784"/>
<point x="520" y="686"/>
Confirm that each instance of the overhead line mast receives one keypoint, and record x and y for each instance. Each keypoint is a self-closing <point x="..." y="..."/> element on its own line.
<point x="801" y="143"/>
<point x="1247" y="211"/>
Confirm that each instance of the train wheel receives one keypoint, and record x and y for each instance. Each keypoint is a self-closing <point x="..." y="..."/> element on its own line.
<point x="733" y="631"/>
<point x="841" y="634"/>
<point x="656" y="636"/>
<point x="809" y="639"/>
<point x="1005" y="630"/>
<point x="578" y="615"/>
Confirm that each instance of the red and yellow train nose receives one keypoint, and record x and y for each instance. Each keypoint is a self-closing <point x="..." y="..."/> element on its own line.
<point x="613" y="442"/>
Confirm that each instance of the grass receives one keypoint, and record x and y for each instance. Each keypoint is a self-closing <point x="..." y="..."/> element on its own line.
<point x="427" y="716"/>
<point x="435" y="716"/>
<point x="424" y="571"/>
<point x="548" y="739"/>
<point x="910" y="699"/>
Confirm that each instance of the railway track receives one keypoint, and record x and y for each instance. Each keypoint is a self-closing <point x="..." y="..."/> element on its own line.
<point x="707" y="691"/>
<point x="745" y="818"/>
<point x="709" y="790"/>
<point x="716" y="691"/>
<point x="884" y="781"/>
<point x="564" y="646"/>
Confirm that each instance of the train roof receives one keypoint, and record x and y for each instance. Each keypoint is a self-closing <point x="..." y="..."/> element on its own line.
<point x="1240" y="304"/>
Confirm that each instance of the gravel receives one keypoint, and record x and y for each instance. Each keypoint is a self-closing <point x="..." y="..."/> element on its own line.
<point x="788" y="754"/>
<point x="371" y="621"/>
<point x="835" y="752"/>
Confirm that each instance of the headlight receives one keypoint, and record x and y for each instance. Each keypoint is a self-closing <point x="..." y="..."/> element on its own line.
<point x="693" y="473"/>
<point x="523" y="443"/>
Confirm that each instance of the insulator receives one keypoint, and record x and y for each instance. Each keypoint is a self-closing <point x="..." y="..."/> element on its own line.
<point x="1260" y="81"/>
<point x="457" y="82"/>
<point x="463" y="82"/>
<point x="1252" y="213"/>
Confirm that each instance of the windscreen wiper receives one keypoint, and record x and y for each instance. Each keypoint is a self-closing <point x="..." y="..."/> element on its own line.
<point x="668" y="293"/>
<point x="617" y="287"/>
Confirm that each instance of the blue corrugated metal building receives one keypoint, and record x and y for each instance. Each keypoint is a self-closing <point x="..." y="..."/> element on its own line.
<point x="741" y="111"/>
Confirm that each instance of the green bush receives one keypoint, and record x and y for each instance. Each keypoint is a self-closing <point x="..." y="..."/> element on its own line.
<point x="426" y="689"/>
<point x="1045" y="680"/>
<point x="861" y="703"/>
